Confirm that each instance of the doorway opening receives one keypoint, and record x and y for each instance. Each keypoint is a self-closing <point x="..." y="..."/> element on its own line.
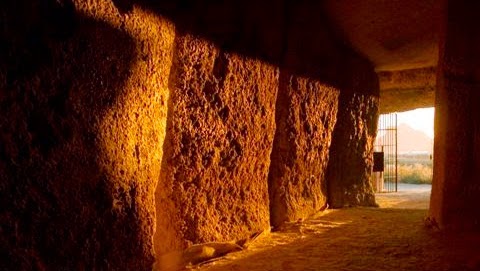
<point x="385" y="177"/>
<point x="406" y="141"/>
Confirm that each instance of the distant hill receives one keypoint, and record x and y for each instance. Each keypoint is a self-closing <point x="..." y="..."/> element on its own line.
<point x="410" y="140"/>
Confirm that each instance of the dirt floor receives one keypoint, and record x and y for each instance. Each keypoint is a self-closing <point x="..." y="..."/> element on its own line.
<point x="409" y="196"/>
<point x="392" y="237"/>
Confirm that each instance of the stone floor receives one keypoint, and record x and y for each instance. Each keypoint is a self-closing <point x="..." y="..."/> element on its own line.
<point x="392" y="237"/>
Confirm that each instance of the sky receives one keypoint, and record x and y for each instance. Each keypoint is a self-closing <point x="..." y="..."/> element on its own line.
<point x="418" y="119"/>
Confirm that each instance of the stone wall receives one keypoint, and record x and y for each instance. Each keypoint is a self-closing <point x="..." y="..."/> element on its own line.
<point x="351" y="153"/>
<point x="221" y="127"/>
<point x="96" y="173"/>
<point x="407" y="89"/>
<point x="305" y="116"/>
<point x="456" y="183"/>
<point x="83" y="93"/>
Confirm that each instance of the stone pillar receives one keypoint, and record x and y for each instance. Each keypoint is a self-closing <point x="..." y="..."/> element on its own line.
<point x="305" y="115"/>
<point x="220" y="133"/>
<point x="319" y="79"/>
<point x="351" y="154"/>
<point x="83" y="91"/>
<point x="455" y="196"/>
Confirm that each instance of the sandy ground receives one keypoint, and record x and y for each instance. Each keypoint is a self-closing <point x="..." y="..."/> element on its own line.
<point x="409" y="196"/>
<point x="392" y="237"/>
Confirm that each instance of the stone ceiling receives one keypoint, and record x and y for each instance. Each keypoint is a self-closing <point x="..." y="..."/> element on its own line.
<point x="401" y="38"/>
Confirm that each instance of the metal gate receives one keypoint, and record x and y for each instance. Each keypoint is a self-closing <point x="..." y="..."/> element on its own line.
<point x="386" y="176"/>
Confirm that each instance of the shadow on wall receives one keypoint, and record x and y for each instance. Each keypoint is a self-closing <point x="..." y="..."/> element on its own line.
<point x="237" y="26"/>
<point x="60" y="72"/>
<point x="295" y="35"/>
<point x="63" y="72"/>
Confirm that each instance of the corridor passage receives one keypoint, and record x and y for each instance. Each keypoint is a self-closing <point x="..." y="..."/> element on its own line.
<point x="392" y="237"/>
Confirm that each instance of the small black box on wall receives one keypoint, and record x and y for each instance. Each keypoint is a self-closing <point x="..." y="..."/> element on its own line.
<point x="378" y="164"/>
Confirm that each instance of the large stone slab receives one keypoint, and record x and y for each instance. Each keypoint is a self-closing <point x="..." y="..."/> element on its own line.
<point x="220" y="131"/>
<point x="456" y="183"/>
<point x="351" y="154"/>
<point x="305" y="116"/>
<point x="83" y="93"/>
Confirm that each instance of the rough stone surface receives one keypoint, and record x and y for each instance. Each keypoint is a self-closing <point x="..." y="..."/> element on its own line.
<point x="400" y="37"/>
<point x="456" y="183"/>
<point x="394" y="34"/>
<point x="220" y="133"/>
<point x="83" y="92"/>
<point x="306" y="114"/>
<point x="307" y="104"/>
<point x="247" y="27"/>
<point x="351" y="153"/>
<point x="407" y="89"/>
